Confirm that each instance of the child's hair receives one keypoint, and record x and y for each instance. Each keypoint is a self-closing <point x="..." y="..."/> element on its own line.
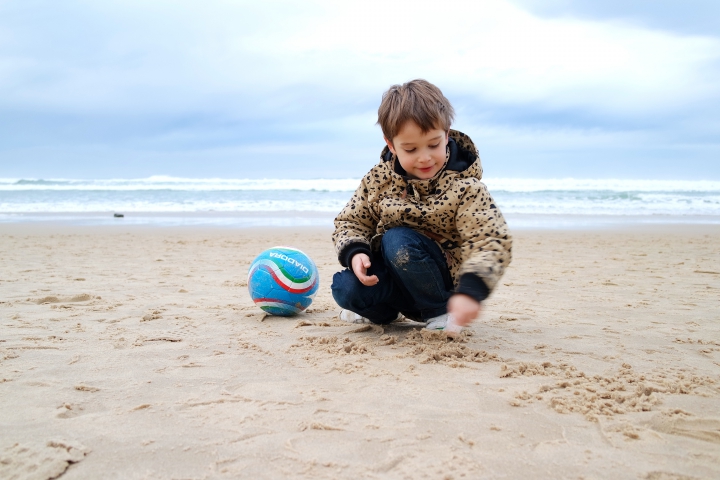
<point x="417" y="100"/>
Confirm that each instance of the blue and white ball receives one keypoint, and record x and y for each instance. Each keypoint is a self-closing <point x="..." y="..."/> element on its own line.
<point x="283" y="281"/>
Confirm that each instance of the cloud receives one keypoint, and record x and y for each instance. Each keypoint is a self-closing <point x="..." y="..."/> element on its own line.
<point x="690" y="17"/>
<point x="162" y="77"/>
<point x="124" y="55"/>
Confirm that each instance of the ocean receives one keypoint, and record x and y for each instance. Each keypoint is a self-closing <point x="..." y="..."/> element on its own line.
<point x="249" y="202"/>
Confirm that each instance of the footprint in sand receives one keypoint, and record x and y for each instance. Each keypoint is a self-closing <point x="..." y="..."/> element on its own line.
<point x="40" y="461"/>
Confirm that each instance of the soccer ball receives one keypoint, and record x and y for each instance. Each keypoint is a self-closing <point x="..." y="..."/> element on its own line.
<point x="283" y="281"/>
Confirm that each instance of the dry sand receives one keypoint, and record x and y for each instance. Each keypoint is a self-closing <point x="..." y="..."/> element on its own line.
<point x="137" y="353"/>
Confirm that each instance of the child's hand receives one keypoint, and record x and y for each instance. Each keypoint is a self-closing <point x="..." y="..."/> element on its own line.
<point x="360" y="264"/>
<point x="464" y="308"/>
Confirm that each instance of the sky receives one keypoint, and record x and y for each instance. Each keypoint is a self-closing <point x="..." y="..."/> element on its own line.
<point x="288" y="89"/>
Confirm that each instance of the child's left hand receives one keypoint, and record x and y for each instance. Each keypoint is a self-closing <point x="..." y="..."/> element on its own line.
<point x="464" y="308"/>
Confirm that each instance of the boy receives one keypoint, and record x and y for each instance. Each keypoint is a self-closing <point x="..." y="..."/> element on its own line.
<point x="421" y="235"/>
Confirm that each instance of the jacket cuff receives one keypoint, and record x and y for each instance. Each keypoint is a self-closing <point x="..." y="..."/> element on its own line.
<point x="473" y="286"/>
<point x="352" y="249"/>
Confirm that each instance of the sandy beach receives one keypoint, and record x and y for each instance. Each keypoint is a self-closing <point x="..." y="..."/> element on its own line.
<point x="136" y="352"/>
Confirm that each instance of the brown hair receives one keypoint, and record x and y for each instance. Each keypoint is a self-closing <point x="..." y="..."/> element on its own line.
<point x="417" y="100"/>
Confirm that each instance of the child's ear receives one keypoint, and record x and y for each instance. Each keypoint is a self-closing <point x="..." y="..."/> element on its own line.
<point x="390" y="145"/>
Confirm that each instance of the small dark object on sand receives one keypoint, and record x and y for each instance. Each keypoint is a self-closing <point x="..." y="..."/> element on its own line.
<point x="118" y="215"/>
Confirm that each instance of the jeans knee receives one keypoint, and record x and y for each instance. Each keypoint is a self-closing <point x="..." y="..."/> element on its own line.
<point x="345" y="288"/>
<point x="397" y="245"/>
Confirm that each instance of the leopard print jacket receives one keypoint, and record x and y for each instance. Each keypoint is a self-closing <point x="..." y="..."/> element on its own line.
<point x="454" y="208"/>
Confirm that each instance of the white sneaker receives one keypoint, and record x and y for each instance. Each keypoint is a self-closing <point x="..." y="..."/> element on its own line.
<point x="352" y="317"/>
<point x="445" y="322"/>
<point x="437" y="323"/>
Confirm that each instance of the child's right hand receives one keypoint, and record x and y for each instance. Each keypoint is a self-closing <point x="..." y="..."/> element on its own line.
<point x="360" y="264"/>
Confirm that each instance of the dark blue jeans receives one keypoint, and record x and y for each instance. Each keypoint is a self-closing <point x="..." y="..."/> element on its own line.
<point x="413" y="275"/>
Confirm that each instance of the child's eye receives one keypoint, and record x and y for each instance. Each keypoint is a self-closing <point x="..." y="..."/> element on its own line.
<point x="435" y="146"/>
<point x="409" y="151"/>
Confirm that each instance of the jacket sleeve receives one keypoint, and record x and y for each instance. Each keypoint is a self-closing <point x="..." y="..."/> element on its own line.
<point x="354" y="226"/>
<point x="486" y="242"/>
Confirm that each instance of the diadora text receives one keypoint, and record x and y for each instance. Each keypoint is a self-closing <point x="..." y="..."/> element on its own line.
<point x="291" y="261"/>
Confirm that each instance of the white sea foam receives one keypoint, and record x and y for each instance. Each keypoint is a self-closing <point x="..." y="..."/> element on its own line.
<point x="160" y="182"/>
<point x="514" y="196"/>
<point x="607" y="185"/>
<point x="72" y="206"/>
<point x="178" y="184"/>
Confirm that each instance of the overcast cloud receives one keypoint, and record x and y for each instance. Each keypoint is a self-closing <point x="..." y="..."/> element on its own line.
<point x="556" y="88"/>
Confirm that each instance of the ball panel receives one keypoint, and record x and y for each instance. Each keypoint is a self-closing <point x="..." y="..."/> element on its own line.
<point x="293" y="263"/>
<point x="283" y="281"/>
<point x="282" y="278"/>
<point x="278" y="307"/>
<point x="263" y="284"/>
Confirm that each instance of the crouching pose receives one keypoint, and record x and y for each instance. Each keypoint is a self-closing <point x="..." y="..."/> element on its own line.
<point x="421" y="236"/>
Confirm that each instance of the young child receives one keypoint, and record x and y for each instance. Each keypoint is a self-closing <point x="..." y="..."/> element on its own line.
<point x="421" y="235"/>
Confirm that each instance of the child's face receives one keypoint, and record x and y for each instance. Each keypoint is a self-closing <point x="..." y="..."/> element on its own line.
<point x="422" y="155"/>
